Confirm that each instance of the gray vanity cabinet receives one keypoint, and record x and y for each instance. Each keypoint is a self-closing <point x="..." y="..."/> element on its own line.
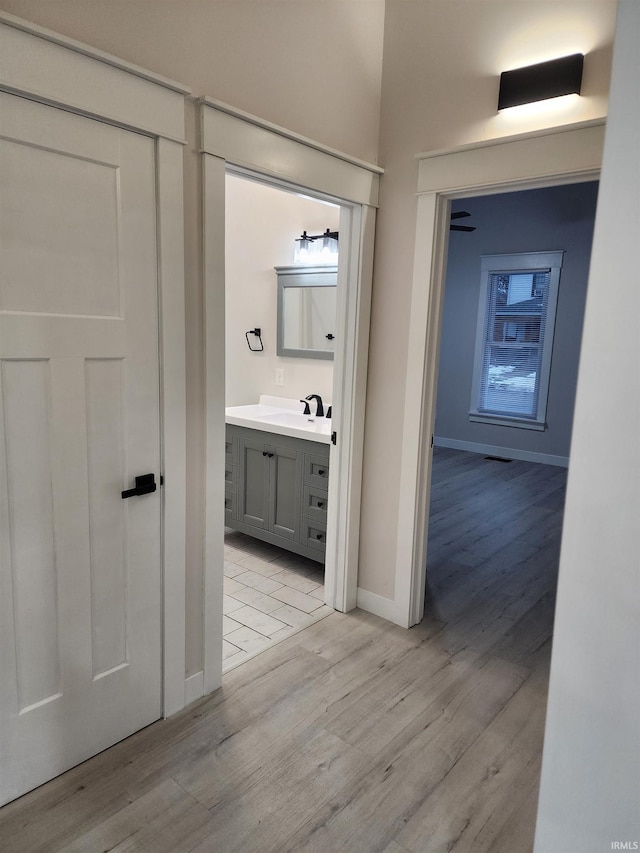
<point x="269" y="477"/>
<point x="274" y="490"/>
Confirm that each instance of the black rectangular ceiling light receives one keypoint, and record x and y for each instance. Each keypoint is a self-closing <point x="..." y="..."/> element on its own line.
<point x="542" y="81"/>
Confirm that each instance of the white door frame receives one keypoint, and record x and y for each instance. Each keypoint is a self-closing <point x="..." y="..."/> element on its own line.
<point x="544" y="158"/>
<point x="52" y="69"/>
<point x="234" y="140"/>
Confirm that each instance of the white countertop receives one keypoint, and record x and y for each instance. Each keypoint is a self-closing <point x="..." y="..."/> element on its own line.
<point x="282" y="416"/>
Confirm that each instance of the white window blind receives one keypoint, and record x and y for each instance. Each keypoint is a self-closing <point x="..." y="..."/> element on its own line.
<point x="515" y="334"/>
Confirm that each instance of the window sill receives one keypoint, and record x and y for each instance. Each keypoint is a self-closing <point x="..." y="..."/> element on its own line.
<point x="505" y="420"/>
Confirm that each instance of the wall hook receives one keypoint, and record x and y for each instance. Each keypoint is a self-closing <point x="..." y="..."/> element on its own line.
<point x="258" y="334"/>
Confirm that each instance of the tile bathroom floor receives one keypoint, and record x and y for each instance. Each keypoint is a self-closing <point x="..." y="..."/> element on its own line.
<point x="269" y="594"/>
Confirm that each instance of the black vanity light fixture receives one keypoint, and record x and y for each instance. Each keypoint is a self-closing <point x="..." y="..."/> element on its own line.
<point x="317" y="248"/>
<point x="307" y="239"/>
<point x="542" y="81"/>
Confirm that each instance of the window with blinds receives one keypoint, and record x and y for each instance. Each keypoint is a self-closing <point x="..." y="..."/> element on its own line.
<point x="515" y="338"/>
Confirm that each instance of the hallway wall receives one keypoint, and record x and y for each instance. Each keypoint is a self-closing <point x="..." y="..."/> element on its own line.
<point x="316" y="72"/>
<point x="324" y="74"/>
<point x="441" y="66"/>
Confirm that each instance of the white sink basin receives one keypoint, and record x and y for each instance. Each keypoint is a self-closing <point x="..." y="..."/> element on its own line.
<point x="281" y="421"/>
<point x="292" y="419"/>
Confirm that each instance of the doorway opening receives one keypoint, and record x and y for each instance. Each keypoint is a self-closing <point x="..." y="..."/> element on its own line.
<point x="281" y="333"/>
<point x="545" y="158"/>
<point x="497" y="486"/>
<point x="233" y="141"/>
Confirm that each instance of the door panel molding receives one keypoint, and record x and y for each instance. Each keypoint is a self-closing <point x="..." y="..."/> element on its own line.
<point x="250" y="142"/>
<point x="57" y="70"/>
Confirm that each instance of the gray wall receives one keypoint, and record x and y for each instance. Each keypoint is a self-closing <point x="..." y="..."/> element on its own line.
<point x="530" y="221"/>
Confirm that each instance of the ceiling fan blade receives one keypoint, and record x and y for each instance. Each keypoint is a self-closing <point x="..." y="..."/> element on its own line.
<point x="462" y="228"/>
<point x="460" y="214"/>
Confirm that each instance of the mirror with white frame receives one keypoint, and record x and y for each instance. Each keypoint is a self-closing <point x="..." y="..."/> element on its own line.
<point x="306" y="311"/>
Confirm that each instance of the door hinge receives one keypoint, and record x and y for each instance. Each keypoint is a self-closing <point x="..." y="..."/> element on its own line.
<point x="334" y="438"/>
<point x="431" y="439"/>
<point x="162" y="479"/>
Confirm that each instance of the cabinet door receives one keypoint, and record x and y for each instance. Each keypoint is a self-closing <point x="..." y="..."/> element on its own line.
<point x="253" y="492"/>
<point x="286" y="494"/>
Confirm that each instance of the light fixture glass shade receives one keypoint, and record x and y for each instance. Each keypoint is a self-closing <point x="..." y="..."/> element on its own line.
<point x="321" y="249"/>
<point x="301" y="252"/>
<point x="329" y="248"/>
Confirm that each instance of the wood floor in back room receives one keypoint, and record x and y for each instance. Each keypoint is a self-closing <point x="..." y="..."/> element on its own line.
<point x="354" y="735"/>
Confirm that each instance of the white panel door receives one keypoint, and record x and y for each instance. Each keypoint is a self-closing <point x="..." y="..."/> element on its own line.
<point x="80" y="631"/>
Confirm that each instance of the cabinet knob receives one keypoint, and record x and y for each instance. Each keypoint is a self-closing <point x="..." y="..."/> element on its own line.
<point x="320" y="504"/>
<point x="264" y="453"/>
<point x="270" y="455"/>
<point x="318" y="535"/>
<point x="321" y="472"/>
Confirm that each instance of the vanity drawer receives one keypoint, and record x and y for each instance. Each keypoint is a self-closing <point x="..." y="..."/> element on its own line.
<point x="314" y="504"/>
<point x="314" y="534"/>
<point x="316" y="471"/>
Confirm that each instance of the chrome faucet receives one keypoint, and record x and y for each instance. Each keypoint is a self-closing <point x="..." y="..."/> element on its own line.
<point x="319" y="407"/>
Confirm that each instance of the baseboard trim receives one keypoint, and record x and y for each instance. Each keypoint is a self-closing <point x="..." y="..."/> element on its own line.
<point x="386" y="608"/>
<point x="507" y="452"/>
<point x="193" y="687"/>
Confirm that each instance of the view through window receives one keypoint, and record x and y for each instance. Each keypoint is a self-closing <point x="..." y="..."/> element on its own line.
<point x="515" y="336"/>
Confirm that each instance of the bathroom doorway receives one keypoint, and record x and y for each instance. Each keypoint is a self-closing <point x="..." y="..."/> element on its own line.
<point x="279" y="340"/>
<point x="234" y="142"/>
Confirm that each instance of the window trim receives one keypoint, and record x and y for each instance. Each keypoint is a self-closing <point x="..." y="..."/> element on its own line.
<point x="514" y="263"/>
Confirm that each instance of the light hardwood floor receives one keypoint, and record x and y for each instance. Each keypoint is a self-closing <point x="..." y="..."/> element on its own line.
<point x="356" y="735"/>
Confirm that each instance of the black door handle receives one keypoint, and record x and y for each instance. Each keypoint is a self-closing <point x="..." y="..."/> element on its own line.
<point x="145" y="484"/>
<point x="329" y="337"/>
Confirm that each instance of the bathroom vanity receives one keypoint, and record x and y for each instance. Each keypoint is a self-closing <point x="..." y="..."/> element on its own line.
<point x="276" y="477"/>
